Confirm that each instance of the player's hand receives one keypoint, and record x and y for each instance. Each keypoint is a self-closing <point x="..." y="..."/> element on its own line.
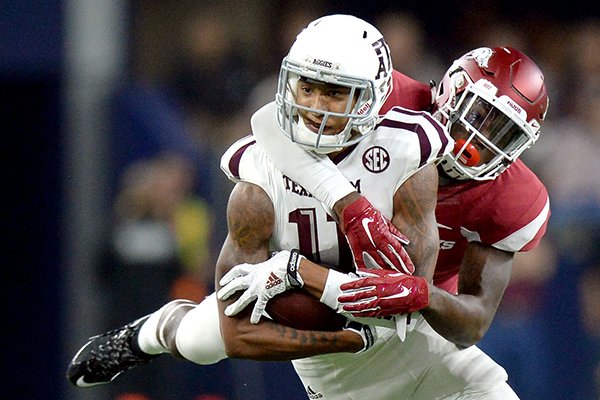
<point x="374" y="241"/>
<point x="381" y="293"/>
<point x="367" y="333"/>
<point x="260" y="282"/>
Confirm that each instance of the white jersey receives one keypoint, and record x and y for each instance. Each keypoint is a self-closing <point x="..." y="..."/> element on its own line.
<point x="403" y="143"/>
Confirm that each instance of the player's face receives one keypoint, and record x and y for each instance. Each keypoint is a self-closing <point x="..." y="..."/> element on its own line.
<point x="491" y="123"/>
<point x="325" y="97"/>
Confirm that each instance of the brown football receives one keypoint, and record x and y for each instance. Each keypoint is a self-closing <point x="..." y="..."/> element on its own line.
<point x="298" y="309"/>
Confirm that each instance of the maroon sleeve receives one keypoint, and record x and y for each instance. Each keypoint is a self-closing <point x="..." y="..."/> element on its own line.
<point x="408" y="93"/>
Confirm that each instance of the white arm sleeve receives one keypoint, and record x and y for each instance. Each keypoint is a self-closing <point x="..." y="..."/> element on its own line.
<point x="314" y="172"/>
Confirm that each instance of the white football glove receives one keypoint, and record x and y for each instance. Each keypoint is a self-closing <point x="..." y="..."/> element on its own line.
<point x="261" y="282"/>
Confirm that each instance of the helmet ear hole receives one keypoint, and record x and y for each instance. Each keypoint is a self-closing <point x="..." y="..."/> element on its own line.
<point x="441" y="89"/>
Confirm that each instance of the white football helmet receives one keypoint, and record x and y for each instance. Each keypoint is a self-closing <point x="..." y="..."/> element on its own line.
<point x="341" y="50"/>
<point x="493" y="102"/>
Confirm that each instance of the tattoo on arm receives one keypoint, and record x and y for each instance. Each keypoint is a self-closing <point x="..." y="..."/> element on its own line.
<point x="250" y="220"/>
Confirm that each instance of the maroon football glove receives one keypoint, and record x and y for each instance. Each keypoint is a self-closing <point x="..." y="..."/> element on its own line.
<point x="373" y="239"/>
<point x="383" y="293"/>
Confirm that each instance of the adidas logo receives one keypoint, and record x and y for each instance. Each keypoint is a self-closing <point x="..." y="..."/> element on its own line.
<point x="312" y="394"/>
<point x="273" y="280"/>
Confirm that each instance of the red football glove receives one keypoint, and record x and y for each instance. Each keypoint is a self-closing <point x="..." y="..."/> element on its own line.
<point x="383" y="293"/>
<point x="373" y="238"/>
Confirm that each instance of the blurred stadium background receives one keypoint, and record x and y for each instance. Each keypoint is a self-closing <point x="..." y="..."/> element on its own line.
<point x="102" y="100"/>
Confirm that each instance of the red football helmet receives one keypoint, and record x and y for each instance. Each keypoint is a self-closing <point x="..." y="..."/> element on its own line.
<point x="493" y="102"/>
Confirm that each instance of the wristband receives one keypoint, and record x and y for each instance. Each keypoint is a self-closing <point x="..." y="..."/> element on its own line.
<point x="365" y="332"/>
<point x="293" y="266"/>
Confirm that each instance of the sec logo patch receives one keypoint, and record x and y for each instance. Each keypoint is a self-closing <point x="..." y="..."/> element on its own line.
<point x="376" y="159"/>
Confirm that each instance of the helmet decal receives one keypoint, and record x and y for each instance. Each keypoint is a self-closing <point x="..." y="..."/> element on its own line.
<point x="482" y="56"/>
<point x="322" y="63"/>
<point x="385" y="58"/>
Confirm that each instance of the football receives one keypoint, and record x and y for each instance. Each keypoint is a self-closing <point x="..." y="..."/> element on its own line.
<point x="298" y="309"/>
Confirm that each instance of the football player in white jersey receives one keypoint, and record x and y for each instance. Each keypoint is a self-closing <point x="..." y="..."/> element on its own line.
<point x="332" y="85"/>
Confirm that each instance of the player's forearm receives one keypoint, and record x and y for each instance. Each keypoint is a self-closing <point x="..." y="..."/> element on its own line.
<point x="465" y="318"/>
<point x="424" y="242"/>
<point x="268" y="341"/>
<point x="299" y="164"/>
<point x="414" y="216"/>
<point x="314" y="277"/>
<point x="423" y="251"/>
<point x="461" y="319"/>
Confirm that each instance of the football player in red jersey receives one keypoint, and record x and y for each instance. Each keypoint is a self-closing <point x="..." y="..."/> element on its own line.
<point x="490" y="205"/>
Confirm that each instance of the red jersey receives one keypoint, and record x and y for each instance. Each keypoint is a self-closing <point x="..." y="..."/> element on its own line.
<point x="509" y="213"/>
<point x="408" y="93"/>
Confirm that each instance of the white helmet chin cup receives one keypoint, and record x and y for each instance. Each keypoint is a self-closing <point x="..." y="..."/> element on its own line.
<point x="322" y="144"/>
<point x="340" y="50"/>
